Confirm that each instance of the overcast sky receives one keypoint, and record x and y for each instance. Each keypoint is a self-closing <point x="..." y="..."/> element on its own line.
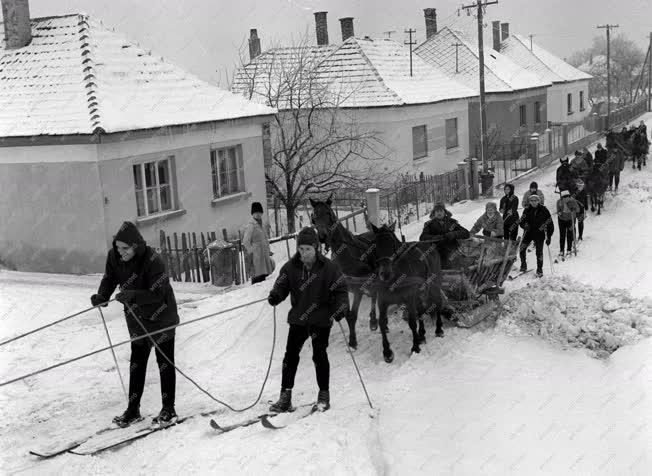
<point x="204" y="36"/>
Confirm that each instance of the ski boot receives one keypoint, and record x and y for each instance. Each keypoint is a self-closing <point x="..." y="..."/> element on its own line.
<point x="166" y="417"/>
<point x="561" y="255"/>
<point x="323" y="401"/>
<point x="523" y="268"/>
<point x="131" y="415"/>
<point x="284" y="402"/>
<point x="539" y="273"/>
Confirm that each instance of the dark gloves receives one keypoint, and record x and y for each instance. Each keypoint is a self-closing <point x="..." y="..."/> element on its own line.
<point x="98" y="299"/>
<point x="273" y="300"/>
<point x="548" y="241"/>
<point x="126" y="297"/>
<point x="451" y="235"/>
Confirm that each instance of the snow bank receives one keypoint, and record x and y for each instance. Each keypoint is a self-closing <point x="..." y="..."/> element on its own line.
<point x="570" y="313"/>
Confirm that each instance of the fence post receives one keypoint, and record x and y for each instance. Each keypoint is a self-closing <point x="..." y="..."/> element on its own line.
<point x="564" y="138"/>
<point x="464" y="167"/>
<point x="534" y="149"/>
<point x="475" y="184"/>
<point x="373" y="206"/>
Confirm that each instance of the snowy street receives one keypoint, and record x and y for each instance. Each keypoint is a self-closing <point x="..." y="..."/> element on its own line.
<point x="540" y="390"/>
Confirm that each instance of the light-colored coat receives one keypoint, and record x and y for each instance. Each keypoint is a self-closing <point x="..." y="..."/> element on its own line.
<point x="491" y="225"/>
<point x="256" y="244"/>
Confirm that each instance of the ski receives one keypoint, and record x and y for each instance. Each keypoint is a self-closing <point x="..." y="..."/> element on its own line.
<point x="242" y="424"/>
<point x="281" y="420"/>
<point x="521" y="273"/>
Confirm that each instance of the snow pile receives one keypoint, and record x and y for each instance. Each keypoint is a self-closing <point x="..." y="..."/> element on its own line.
<point x="640" y="189"/>
<point x="567" y="312"/>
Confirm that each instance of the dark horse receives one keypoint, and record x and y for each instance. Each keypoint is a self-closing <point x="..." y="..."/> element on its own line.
<point x="351" y="253"/>
<point x="408" y="273"/>
<point x="596" y="184"/>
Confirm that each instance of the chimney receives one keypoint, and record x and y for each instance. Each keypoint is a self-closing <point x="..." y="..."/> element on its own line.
<point x="591" y="58"/>
<point x="430" y="14"/>
<point x="495" y="28"/>
<point x="347" y="28"/>
<point x="254" y="44"/>
<point x="18" y="29"/>
<point x="504" y="31"/>
<point x="321" y="28"/>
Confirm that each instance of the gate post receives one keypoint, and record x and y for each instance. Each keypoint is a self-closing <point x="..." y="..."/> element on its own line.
<point x="475" y="185"/>
<point x="373" y="207"/>
<point x="533" y="150"/>
<point x="464" y="167"/>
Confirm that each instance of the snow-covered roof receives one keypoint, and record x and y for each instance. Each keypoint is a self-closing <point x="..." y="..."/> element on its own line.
<point x="78" y="77"/>
<point x="361" y="72"/>
<point x="501" y="74"/>
<point x="540" y="61"/>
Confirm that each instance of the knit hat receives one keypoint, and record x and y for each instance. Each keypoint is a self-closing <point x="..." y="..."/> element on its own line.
<point x="491" y="206"/>
<point x="534" y="185"/>
<point x="256" y="207"/>
<point x="565" y="193"/>
<point x="534" y="196"/>
<point x="308" y="236"/>
<point x="439" y="206"/>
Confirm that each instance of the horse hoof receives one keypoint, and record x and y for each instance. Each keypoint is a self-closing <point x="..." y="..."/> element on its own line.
<point x="439" y="333"/>
<point x="389" y="357"/>
<point x="373" y="324"/>
<point x="422" y="339"/>
<point x="353" y="345"/>
<point x="416" y="349"/>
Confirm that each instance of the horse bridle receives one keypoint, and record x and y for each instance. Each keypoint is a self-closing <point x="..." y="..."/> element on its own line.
<point x="331" y="229"/>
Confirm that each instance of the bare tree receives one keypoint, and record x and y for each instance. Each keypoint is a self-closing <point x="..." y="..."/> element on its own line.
<point x="318" y="145"/>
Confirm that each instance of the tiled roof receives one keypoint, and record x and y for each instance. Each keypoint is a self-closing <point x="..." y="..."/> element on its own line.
<point x="363" y="73"/>
<point x="540" y="61"/>
<point x="501" y="74"/>
<point x="77" y="77"/>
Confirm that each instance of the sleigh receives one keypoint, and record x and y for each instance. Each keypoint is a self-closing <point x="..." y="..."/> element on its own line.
<point x="478" y="270"/>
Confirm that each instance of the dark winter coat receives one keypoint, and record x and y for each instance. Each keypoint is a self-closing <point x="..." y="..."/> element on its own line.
<point x="537" y="222"/>
<point x="616" y="161"/>
<point x="588" y="158"/>
<point x="508" y="207"/>
<point x="600" y="156"/>
<point x="583" y="199"/>
<point x="567" y="207"/>
<point x="448" y="230"/>
<point x="317" y="295"/>
<point x="145" y="274"/>
<point x="579" y="167"/>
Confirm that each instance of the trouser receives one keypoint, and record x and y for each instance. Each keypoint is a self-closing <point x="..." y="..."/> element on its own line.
<point x="510" y="232"/>
<point x="614" y="176"/>
<point x="580" y="225"/>
<point x="538" y="243"/>
<point x="565" y="234"/>
<point x="140" y="351"/>
<point x="297" y="335"/>
<point x="259" y="278"/>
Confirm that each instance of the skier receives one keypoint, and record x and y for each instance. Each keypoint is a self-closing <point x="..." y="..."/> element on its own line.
<point x="509" y="210"/>
<point x="318" y="295"/>
<point x="616" y="164"/>
<point x="533" y="190"/>
<point x="567" y="210"/>
<point x="442" y="227"/>
<point x="145" y="287"/>
<point x="565" y="176"/>
<point x="256" y="244"/>
<point x="490" y="222"/>
<point x="538" y="226"/>
<point x="600" y="155"/>
<point x="583" y="199"/>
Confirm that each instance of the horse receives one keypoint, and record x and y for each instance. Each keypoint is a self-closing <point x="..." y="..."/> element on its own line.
<point x="351" y="253"/>
<point x="596" y="184"/>
<point x="408" y="273"/>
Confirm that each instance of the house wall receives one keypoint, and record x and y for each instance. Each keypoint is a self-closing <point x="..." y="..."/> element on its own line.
<point x="394" y="128"/>
<point x="197" y="212"/>
<point x="503" y="113"/>
<point x="557" y="101"/>
<point x="52" y="217"/>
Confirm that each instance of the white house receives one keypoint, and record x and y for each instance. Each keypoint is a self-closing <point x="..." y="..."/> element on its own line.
<point x="95" y="130"/>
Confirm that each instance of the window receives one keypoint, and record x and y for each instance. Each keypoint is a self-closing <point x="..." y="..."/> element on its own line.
<point x="227" y="171"/>
<point x="582" y="101"/>
<point x="153" y="185"/>
<point x="537" y="112"/>
<point x="569" y="101"/>
<point x="419" y="142"/>
<point x="522" y="110"/>
<point x="451" y="133"/>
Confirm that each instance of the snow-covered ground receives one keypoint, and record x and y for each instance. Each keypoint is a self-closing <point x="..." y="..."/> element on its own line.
<point x="560" y="384"/>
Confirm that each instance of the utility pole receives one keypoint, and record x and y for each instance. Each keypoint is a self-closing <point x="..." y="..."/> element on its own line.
<point x="480" y="5"/>
<point x="411" y="43"/>
<point x="457" y="47"/>
<point x="389" y="33"/>
<point x="530" y="41"/>
<point x="608" y="28"/>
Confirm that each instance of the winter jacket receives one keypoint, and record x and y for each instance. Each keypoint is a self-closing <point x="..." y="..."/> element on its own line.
<point x="448" y="230"/>
<point x="509" y="209"/>
<point x="256" y="243"/>
<point x="489" y="225"/>
<point x="567" y="207"/>
<point x="616" y="161"/>
<point x="537" y="222"/>
<point x="317" y="295"/>
<point x="579" y="167"/>
<point x="565" y="178"/>
<point x="600" y="156"/>
<point x="588" y="158"/>
<point x="145" y="274"/>
<point x="526" y="198"/>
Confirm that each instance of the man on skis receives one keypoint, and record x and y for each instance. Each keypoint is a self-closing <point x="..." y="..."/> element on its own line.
<point x="533" y="190"/>
<point x="318" y="295"/>
<point x="567" y="211"/>
<point x="538" y="227"/>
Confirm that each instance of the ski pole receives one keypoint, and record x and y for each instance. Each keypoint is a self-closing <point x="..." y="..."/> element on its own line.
<point x="355" y="364"/>
<point x="552" y="269"/>
<point x="115" y="359"/>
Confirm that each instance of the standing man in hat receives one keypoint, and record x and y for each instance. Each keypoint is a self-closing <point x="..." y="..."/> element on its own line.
<point x="537" y="225"/>
<point x="149" y="306"/>
<point x="256" y="244"/>
<point x="318" y="295"/>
